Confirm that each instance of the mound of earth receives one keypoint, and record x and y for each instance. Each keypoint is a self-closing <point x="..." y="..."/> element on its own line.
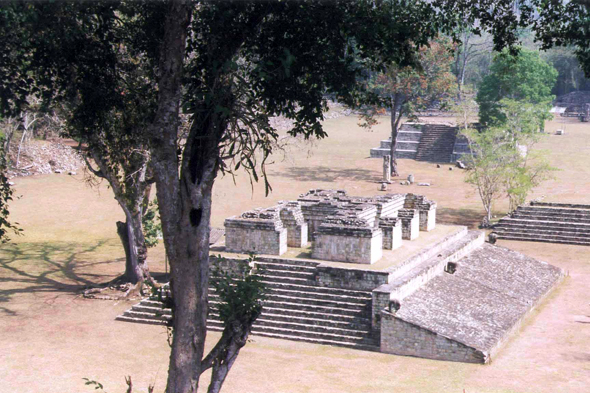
<point x="44" y="157"/>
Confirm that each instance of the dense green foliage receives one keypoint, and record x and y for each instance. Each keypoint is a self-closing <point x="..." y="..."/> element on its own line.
<point x="522" y="77"/>
<point x="240" y="297"/>
<point x="6" y="192"/>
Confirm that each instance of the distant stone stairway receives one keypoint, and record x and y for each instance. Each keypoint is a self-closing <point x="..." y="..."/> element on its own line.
<point x="436" y="144"/>
<point x="553" y="223"/>
<point x="295" y="309"/>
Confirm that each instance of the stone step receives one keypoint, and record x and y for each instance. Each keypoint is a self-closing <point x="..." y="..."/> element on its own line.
<point x="547" y="231"/>
<point x="284" y="267"/>
<point x="339" y="310"/>
<point x="561" y="205"/>
<point x="272" y="272"/>
<point x="553" y="211"/>
<point x="288" y="298"/>
<point x="515" y="235"/>
<point x="544" y="233"/>
<point x="288" y="280"/>
<point x="345" y="322"/>
<point x="320" y="295"/>
<point x="296" y="262"/>
<point x="263" y="321"/>
<point x="296" y="332"/>
<point x="314" y="289"/>
<point x="347" y="317"/>
<point x="554" y="218"/>
<point x="280" y="312"/>
<point x="543" y="225"/>
<point x="367" y="343"/>
<point x="280" y="315"/>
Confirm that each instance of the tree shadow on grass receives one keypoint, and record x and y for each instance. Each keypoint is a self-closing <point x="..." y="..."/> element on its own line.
<point x="57" y="267"/>
<point x="327" y="174"/>
<point x="469" y="217"/>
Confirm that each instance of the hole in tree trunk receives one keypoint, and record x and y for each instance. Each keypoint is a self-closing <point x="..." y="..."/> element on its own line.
<point x="195" y="216"/>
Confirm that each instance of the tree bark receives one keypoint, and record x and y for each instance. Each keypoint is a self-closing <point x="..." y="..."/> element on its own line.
<point x="136" y="267"/>
<point x="225" y="353"/>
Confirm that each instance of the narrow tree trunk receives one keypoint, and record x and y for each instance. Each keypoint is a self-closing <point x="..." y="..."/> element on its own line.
<point x="235" y="336"/>
<point x="20" y="145"/>
<point x="395" y="120"/>
<point x="133" y="240"/>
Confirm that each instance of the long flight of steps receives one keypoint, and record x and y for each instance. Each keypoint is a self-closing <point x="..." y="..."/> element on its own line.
<point x="295" y="309"/>
<point x="436" y="144"/>
<point x="550" y="222"/>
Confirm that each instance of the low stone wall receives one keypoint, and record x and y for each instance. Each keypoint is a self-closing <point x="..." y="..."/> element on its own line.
<point x="356" y="279"/>
<point x="402" y="338"/>
<point x="235" y="267"/>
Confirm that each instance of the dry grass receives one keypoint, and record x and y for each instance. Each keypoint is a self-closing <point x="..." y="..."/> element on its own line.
<point x="52" y="338"/>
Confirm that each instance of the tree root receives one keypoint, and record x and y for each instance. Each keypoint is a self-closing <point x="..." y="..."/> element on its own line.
<point x="128" y="290"/>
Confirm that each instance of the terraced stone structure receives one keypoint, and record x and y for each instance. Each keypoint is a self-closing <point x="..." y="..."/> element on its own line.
<point x="547" y="222"/>
<point x="446" y="295"/>
<point x="434" y="142"/>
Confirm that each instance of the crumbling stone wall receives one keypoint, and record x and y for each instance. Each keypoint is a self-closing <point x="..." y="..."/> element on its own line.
<point x="257" y="231"/>
<point x="410" y="223"/>
<point x="392" y="233"/>
<point x="292" y="218"/>
<point x="426" y="208"/>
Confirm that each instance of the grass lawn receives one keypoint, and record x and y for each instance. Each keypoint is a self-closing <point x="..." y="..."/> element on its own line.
<point x="52" y="338"/>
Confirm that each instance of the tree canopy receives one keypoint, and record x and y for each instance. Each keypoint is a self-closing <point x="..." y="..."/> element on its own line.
<point x="522" y="77"/>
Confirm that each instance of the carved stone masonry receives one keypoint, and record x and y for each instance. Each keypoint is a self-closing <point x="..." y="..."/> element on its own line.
<point x="386" y="169"/>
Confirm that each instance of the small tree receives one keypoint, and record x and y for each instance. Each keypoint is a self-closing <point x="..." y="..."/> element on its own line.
<point x="503" y="162"/>
<point x="407" y="90"/>
<point x="487" y="167"/>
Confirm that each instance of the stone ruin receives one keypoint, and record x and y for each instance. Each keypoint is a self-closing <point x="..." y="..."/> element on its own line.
<point x="450" y="297"/>
<point x="341" y="228"/>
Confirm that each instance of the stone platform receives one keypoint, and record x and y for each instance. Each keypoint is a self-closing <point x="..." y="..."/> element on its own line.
<point x="445" y="295"/>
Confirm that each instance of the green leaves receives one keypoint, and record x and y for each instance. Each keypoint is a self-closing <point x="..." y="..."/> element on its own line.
<point x="241" y="295"/>
<point x="152" y="227"/>
<point x="6" y="193"/>
<point x="524" y="77"/>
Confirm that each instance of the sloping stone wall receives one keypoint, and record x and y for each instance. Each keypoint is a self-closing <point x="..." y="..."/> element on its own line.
<point x="402" y="338"/>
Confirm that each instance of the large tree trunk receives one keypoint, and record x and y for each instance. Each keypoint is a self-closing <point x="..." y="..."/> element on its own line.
<point x="131" y="234"/>
<point x="189" y="267"/>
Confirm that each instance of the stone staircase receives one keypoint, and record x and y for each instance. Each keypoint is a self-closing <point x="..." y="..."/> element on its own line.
<point x="295" y="308"/>
<point x="436" y="144"/>
<point x="553" y="223"/>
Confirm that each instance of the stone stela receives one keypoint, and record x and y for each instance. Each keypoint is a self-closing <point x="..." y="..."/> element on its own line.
<point x="341" y="228"/>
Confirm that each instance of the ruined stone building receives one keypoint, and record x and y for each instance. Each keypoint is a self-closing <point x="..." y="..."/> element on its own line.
<point x="376" y="273"/>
